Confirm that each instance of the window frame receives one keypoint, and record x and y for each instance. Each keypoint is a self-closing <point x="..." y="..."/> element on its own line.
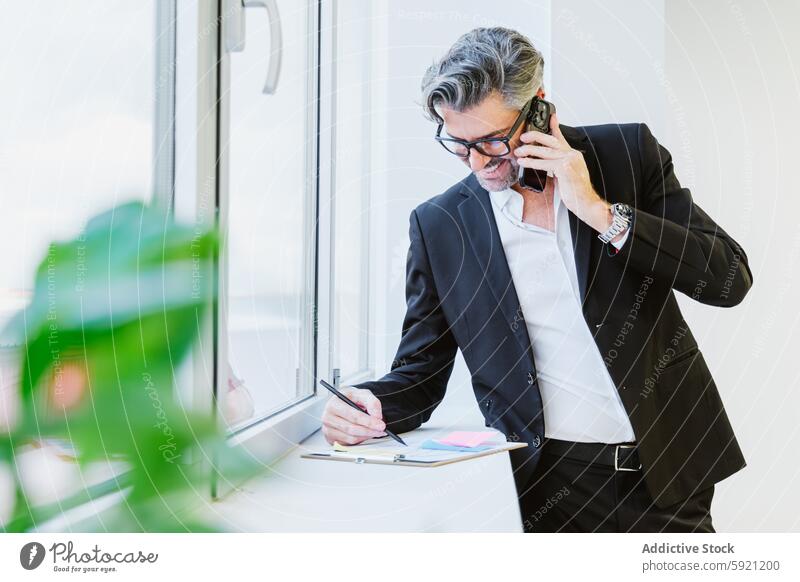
<point x="366" y="369"/>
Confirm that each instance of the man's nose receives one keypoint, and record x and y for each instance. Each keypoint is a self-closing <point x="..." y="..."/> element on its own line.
<point x="477" y="160"/>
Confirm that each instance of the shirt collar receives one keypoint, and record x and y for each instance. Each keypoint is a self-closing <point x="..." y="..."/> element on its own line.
<point x="501" y="197"/>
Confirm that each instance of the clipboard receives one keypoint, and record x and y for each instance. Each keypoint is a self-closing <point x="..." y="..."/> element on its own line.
<point x="381" y="452"/>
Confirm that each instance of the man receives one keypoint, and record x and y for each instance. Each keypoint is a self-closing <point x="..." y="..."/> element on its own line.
<point x="563" y="305"/>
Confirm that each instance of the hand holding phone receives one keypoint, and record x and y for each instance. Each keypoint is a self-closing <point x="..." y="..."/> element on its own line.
<point x="538" y="119"/>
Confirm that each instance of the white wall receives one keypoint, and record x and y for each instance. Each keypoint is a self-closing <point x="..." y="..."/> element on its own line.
<point x="734" y="133"/>
<point x="717" y="84"/>
<point x="608" y="60"/>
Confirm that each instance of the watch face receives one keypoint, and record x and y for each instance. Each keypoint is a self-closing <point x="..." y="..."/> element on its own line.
<point x="623" y="210"/>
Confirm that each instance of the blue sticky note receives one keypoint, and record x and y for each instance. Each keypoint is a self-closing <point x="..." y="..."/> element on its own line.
<point x="437" y="446"/>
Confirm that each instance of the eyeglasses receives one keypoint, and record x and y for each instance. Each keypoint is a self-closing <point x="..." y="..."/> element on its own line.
<point x="493" y="147"/>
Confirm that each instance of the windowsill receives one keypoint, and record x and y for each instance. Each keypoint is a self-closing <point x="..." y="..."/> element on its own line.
<point x="303" y="495"/>
<point x="272" y="423"/>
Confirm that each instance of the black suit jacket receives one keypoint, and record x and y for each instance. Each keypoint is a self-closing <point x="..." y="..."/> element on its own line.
<point x="460" y="295"/>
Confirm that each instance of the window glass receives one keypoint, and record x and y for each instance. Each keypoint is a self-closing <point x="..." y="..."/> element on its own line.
<point x="76" y="138"/>
<point x="271" y="192"/>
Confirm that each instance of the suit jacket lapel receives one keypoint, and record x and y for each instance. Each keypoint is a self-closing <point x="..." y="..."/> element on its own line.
<point x="484" y="239"/>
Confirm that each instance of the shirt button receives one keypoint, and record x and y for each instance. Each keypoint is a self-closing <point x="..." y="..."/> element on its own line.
<point x="536" y="442"/>
<point x="530" y="379"/>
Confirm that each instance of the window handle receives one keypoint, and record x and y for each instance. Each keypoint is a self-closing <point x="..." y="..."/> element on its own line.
<point x="234" y="31"/>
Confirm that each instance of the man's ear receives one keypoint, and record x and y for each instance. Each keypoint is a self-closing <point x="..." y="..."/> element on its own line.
<point x="540" y="93"/>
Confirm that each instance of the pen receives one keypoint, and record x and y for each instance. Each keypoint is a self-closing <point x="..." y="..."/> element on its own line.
<point x="357" y="407"/>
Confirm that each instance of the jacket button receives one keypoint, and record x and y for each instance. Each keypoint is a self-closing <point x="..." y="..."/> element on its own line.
<point x="536" y="441"/>
<point x="530" y="379"/>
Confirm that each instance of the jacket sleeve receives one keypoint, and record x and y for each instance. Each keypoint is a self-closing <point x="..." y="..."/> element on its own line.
<point x="675" y="240"/>
<point x="424" y="361"/>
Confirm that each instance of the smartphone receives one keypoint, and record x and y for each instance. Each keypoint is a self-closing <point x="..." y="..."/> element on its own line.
<point x="538" y="119"/>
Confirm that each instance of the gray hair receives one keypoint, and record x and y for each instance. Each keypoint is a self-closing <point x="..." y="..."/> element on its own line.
<point x="481" y="62"/>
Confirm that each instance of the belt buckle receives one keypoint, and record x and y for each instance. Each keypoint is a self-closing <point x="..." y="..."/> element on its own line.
<point x="616" y="458"/>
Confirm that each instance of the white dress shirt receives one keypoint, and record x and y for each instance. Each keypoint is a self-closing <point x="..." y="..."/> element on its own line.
<point x="580" y="400"/>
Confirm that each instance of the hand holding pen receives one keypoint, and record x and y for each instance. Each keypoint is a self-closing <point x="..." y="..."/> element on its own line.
<point x="353" y="416"/>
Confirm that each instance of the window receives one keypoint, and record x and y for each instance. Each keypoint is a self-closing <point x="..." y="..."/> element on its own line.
<point x="77" y="137"/>
<point x="268" y="150"/>
<point x="107" y="101"/>
<point x="77" y="127"/>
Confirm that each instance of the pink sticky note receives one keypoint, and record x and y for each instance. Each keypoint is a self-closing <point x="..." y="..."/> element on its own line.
<point x="462" y="438"/>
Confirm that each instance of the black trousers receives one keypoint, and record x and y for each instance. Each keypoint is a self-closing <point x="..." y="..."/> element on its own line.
<point x="565" y="495"/>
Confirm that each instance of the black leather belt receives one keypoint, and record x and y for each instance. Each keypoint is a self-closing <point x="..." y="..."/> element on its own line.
<point x="622" y="456"/>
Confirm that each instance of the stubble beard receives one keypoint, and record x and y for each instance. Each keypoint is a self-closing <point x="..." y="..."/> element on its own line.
<point x="503" y="182"/>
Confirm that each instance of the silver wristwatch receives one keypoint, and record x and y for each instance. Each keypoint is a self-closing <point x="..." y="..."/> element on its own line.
<point x="622" y="215"/>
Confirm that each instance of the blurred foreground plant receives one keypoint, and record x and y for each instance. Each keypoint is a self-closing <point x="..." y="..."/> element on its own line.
<point x="113" y="315"/>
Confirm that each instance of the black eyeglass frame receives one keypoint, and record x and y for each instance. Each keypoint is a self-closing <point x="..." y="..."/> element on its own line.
<point x="470" y="144"/>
